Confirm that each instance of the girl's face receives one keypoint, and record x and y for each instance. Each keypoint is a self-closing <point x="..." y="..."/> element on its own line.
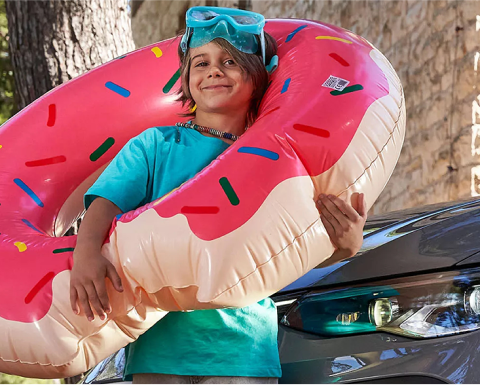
<point x="217" y="83"/>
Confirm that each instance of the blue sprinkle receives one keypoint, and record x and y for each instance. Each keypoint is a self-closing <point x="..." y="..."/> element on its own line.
<point x="286" y="85"/>
<point x="121" y="57"/>
<point x="31" y="226"/>
<point x="30" y="193"/>
<point x="260" y="152"/>
<point x="292" y="34"/>
<point x="119" y="90"/>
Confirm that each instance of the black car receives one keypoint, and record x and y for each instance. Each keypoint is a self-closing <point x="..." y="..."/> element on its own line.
<point x="405" y="309"/>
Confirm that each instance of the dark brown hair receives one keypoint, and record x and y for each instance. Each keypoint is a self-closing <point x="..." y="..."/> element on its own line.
<point x="251" y="64"/>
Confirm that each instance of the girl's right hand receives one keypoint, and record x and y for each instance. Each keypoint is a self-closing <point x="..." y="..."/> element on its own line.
<point x="87" y="283"/>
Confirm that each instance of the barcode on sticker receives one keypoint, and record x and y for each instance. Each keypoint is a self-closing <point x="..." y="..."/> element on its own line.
<point x="335" y="83"/>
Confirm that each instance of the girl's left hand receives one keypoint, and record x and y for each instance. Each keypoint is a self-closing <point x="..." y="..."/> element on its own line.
<point x="343" y="222"/>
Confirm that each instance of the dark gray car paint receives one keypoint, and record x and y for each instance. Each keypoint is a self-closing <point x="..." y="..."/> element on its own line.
<point x="312" y="359"/>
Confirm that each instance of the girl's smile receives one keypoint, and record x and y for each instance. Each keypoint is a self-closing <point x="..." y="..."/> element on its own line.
<point x="216" y="87"/>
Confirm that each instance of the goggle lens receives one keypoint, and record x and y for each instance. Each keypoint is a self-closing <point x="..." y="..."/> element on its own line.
<point x="245" y="20"/>
<point x="208" y="15"/>
<point x="204" y="15"/>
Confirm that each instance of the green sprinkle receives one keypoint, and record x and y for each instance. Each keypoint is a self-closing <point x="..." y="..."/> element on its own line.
<point x="347" y="90"/>
<point x="102" y="149"/>
<point x="65" y="250"/>
<point x="171" y="82"/>
<point x="228" y="189"/>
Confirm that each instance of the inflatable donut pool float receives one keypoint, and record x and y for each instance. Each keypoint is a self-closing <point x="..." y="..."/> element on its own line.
<point x="332" y="121"/>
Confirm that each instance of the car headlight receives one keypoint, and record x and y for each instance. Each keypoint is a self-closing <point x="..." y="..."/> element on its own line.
<point x="424" y="306"/>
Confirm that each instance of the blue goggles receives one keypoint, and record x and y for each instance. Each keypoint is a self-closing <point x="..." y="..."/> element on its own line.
<point x="236" y="26"/>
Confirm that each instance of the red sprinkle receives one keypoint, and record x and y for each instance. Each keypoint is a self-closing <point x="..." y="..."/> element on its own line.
<point x="341" y="60"/>
<point x="52" y="115"/>
<point x="200" y="210"/>
<point x="312" y="130"/>
<point x="46" y="162"/>
<point x="47" y="278"/>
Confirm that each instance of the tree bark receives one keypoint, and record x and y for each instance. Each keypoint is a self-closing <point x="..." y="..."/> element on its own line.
<point x="54" y="41"/>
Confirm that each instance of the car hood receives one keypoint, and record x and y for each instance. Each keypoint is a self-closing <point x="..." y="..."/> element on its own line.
<point x="406" y="242"/>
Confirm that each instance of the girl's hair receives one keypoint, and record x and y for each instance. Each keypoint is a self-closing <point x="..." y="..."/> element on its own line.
<point x="251" y="64"/>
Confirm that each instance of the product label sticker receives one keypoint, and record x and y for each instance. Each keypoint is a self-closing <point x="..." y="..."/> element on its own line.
<point x="335" y="83"/>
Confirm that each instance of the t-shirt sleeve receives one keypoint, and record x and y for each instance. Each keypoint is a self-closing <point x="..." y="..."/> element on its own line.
<point x="125" y="180"/>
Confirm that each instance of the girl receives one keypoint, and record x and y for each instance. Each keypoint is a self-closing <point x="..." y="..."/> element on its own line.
<point x="223" y="55"/>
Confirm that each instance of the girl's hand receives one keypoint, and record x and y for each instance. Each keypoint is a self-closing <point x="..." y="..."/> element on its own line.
<point x="88" y="291"/>
<point x="343" y="222"/>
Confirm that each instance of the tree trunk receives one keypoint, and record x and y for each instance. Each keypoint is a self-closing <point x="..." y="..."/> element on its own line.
<point x="54" y="41"/>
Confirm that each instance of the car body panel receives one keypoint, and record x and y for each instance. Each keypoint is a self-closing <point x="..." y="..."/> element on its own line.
<point x="307" y="358"/>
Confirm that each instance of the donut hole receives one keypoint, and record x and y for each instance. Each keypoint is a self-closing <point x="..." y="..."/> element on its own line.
<point x="72" y="211"/>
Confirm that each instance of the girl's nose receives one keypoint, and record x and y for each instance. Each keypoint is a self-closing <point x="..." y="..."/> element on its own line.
<point x="215" y="72"/>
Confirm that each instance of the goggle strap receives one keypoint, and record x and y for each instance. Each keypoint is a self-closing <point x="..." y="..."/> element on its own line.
<point x="273" y="65"/>
<point x="185" y="39"/>
<point x="262" y="44"/>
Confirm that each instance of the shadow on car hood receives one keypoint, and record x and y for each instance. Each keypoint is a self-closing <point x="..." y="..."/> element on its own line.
<point x="406" y="242"/>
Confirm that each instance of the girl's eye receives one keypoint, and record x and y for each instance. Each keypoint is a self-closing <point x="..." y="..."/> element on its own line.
<point x="201" y="64"/>
<point x="229" y="62"/>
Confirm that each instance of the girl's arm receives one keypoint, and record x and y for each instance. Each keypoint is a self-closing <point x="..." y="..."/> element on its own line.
<point x="90" y="268"/>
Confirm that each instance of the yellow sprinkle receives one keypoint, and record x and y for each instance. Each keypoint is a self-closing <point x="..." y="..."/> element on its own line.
<point x="193" y="108"/>
<point x="1" y="146"/>
<point x="157" y="51"/>
<point x="21" y="246"/>
<point x="333" y="38"/>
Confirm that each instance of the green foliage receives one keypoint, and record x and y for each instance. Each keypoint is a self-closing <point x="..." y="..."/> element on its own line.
<point x="7" y="379"/>
<point x="7" y="105"/>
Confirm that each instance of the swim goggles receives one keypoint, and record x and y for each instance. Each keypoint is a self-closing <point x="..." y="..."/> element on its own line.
<point x="237" y="26"/>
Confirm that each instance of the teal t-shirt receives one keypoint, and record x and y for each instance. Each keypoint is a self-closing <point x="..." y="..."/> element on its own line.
<point x="226" y="342"/>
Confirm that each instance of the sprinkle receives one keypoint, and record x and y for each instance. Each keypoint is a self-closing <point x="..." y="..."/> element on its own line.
<point x="260" y="152"/>
<point x="102" y="149"/>
<point x="52" y="115"/>
<point x="286" y="85"/>
<point x="46" y="161"/>
<point x="333" y="38"/>
<point x="157" y="51"/>
<point x="200" y="210"/>
<point x="339" y="59"/>
<point x="229" y="191"/>
<point x="347" y="90"/>
<point x="312" y="130"/>
<point x="119" y="90"/>
<point x="292" y="34"/>
<point x="171" y="82"/>
<point x="39" y="286"/>
<point x="27" y="189"/>
<point x="21" y="246"/>
<point x="64" y="250"/>
<point x="31" y="226"/>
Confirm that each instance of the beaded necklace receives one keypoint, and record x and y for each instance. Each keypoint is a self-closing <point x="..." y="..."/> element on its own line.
<point x="209" y="130"/>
